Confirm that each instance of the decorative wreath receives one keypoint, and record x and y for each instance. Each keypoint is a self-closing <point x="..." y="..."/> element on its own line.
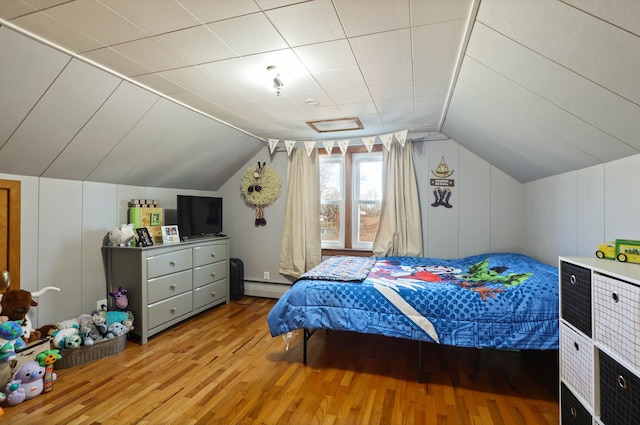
<point x="260" y="187"/>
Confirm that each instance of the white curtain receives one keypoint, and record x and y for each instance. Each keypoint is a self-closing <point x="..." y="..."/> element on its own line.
<point x="400" y="228"/>
<point x="301" y="244"/>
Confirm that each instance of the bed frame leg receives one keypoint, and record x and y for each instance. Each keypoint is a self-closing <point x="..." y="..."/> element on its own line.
<point x="307" y="334"/>
<point x="420" y="362"/>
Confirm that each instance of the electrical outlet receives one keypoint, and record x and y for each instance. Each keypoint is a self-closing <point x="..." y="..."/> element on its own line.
<point x="266" y="276"/>
<point x="101" y="303"/>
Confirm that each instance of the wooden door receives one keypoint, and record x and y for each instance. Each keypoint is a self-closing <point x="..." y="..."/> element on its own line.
<point x="10" y="231"/>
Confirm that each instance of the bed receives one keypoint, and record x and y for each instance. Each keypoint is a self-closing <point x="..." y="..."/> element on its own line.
<point x="501" y="300"/>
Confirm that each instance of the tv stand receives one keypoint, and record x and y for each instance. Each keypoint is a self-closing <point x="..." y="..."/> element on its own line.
<point x="169" y="283"/>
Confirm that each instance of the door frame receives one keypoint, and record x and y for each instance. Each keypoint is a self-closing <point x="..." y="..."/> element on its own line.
<point x="13" y="239"/>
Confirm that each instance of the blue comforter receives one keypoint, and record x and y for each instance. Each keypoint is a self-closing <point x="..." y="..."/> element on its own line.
<point x="491" y="300"/>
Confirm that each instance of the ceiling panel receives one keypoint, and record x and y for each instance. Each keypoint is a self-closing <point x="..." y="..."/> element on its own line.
<point x="133" y="148"/>
<point x="66" y="106"/>
<point x="589" y="46"/>
<point x="92" y="18"/>
<point x="115" y="118"/>
<point x="544" y="114"/>
<point x="167" y="16"/>
<point x="361" y="17"/>
<point x="307" y="22"/>
<point x="27" y="68"/>
<point x="563" y="87"/>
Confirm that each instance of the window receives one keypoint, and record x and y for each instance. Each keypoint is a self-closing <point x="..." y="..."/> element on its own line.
<point x="350" y="198"/>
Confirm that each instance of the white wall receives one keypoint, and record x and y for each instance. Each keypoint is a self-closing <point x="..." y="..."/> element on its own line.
<point x="572" y="213"/>
<point x="63" y="225"/>
<point x="487" y="214"/>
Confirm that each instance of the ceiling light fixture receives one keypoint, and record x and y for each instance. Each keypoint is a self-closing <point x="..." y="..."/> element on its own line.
<point x="276" y="78"/>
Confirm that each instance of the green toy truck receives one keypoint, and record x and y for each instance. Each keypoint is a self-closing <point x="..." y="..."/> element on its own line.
<point x="624" y="250"/>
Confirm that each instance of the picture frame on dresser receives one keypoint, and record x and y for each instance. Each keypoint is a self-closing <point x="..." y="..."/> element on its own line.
<point x="170" y="234"/>
<point x="144" y="237"/>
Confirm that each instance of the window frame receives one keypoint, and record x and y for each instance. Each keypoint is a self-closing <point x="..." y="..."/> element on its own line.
<point x="350" y="228"/>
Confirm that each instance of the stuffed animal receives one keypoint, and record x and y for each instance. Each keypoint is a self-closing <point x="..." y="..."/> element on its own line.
<point x="120" y="298"/>
<point x="10" y="341"/>
<point x="112" y="317"/>
<point x="73" y="341"/>
<point x="116" y="329"/>
<point x="27" y="383"/>
<point x="85" y="318"/>
<point x="89" y="333"/>
<point x="61" y="335"/>
<point x="69" y="323"/>
<point x="15" y="304"/>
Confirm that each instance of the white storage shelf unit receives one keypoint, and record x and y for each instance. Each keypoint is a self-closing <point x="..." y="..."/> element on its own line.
<point x="599" y="342"/>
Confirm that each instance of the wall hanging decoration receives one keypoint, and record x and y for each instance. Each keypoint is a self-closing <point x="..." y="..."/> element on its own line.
<point x="260" y="186"/>
<point x="442" y="193"/>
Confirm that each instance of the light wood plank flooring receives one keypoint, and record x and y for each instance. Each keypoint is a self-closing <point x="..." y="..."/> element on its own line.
<point x="223" y="367"/>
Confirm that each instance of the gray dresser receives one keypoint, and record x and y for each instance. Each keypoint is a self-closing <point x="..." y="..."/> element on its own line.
<point x="168" y="283"/>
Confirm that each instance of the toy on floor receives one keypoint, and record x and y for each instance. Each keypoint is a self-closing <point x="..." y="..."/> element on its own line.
<point x="27" y="383"/>
<point x="10" y="339"/>
<point x="15" y="304"/>
<point x="46" y="359"/>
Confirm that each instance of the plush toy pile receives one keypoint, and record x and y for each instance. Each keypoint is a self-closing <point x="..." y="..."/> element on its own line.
<point x="88" y="329"/>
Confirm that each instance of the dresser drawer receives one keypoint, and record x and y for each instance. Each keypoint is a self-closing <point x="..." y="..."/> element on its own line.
<point x="619" y="393"/>
<point x="209" y="273"/>
<point x="572" y="412"/>
<point x="576" y="366"/>
<point x="208" y="254"/>
<point x="168" y="286"/>
<point x="617" y="313"/>
<point x="169" y="309"/>
<point x="210" y="293"/>
<point x="170" y="262"/>
<point x="576" y="296"/>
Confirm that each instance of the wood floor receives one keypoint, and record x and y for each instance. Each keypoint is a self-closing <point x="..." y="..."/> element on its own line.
<point x="223" y="367"/>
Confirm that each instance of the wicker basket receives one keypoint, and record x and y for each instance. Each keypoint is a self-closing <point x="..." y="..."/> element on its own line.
<point x="88" y="353"/>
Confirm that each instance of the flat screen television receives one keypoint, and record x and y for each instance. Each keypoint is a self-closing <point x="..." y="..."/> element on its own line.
<point x="199" y="216"/>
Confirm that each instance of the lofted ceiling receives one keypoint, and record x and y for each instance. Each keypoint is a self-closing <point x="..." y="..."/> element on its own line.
<point x="176" y="93"/>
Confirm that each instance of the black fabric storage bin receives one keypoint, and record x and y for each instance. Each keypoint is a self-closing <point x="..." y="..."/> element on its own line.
<point x="576" y="296"/>
<point x="236" y="285"/>
<point x="572" y="411"/>
<point x="619" y="393"/>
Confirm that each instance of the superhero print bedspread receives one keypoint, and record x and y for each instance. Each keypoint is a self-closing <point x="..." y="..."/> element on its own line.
<point x="503" y="300"/>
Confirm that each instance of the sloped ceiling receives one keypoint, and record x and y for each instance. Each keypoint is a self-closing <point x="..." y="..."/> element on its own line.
<point x="176" y="94"/>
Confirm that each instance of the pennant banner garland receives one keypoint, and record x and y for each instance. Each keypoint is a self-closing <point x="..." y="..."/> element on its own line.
<point x="289" y="145"/>
<point x="368" y="142"/>
<point x="309" y="146"/>
<point x="343" y="145"/>
<point x="272" y="144"/>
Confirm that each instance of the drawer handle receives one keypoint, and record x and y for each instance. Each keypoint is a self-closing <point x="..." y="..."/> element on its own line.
<point x="615" y="297"/>
<point x="172" y="287"/>
<point x="573" y="411"/>
<point x="576" y="346"/>
<point x="213" y="294"/>
<point x="172" y="263"/>
<point x="173" y="310"/>
<point x="213" y="255"/>
<point x="213" y="274"/>
<point x="622" y="383"/>
<point x="573" y="279"/>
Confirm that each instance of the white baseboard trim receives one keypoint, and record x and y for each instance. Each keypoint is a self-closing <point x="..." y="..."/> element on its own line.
<point x="265" y="290"/>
